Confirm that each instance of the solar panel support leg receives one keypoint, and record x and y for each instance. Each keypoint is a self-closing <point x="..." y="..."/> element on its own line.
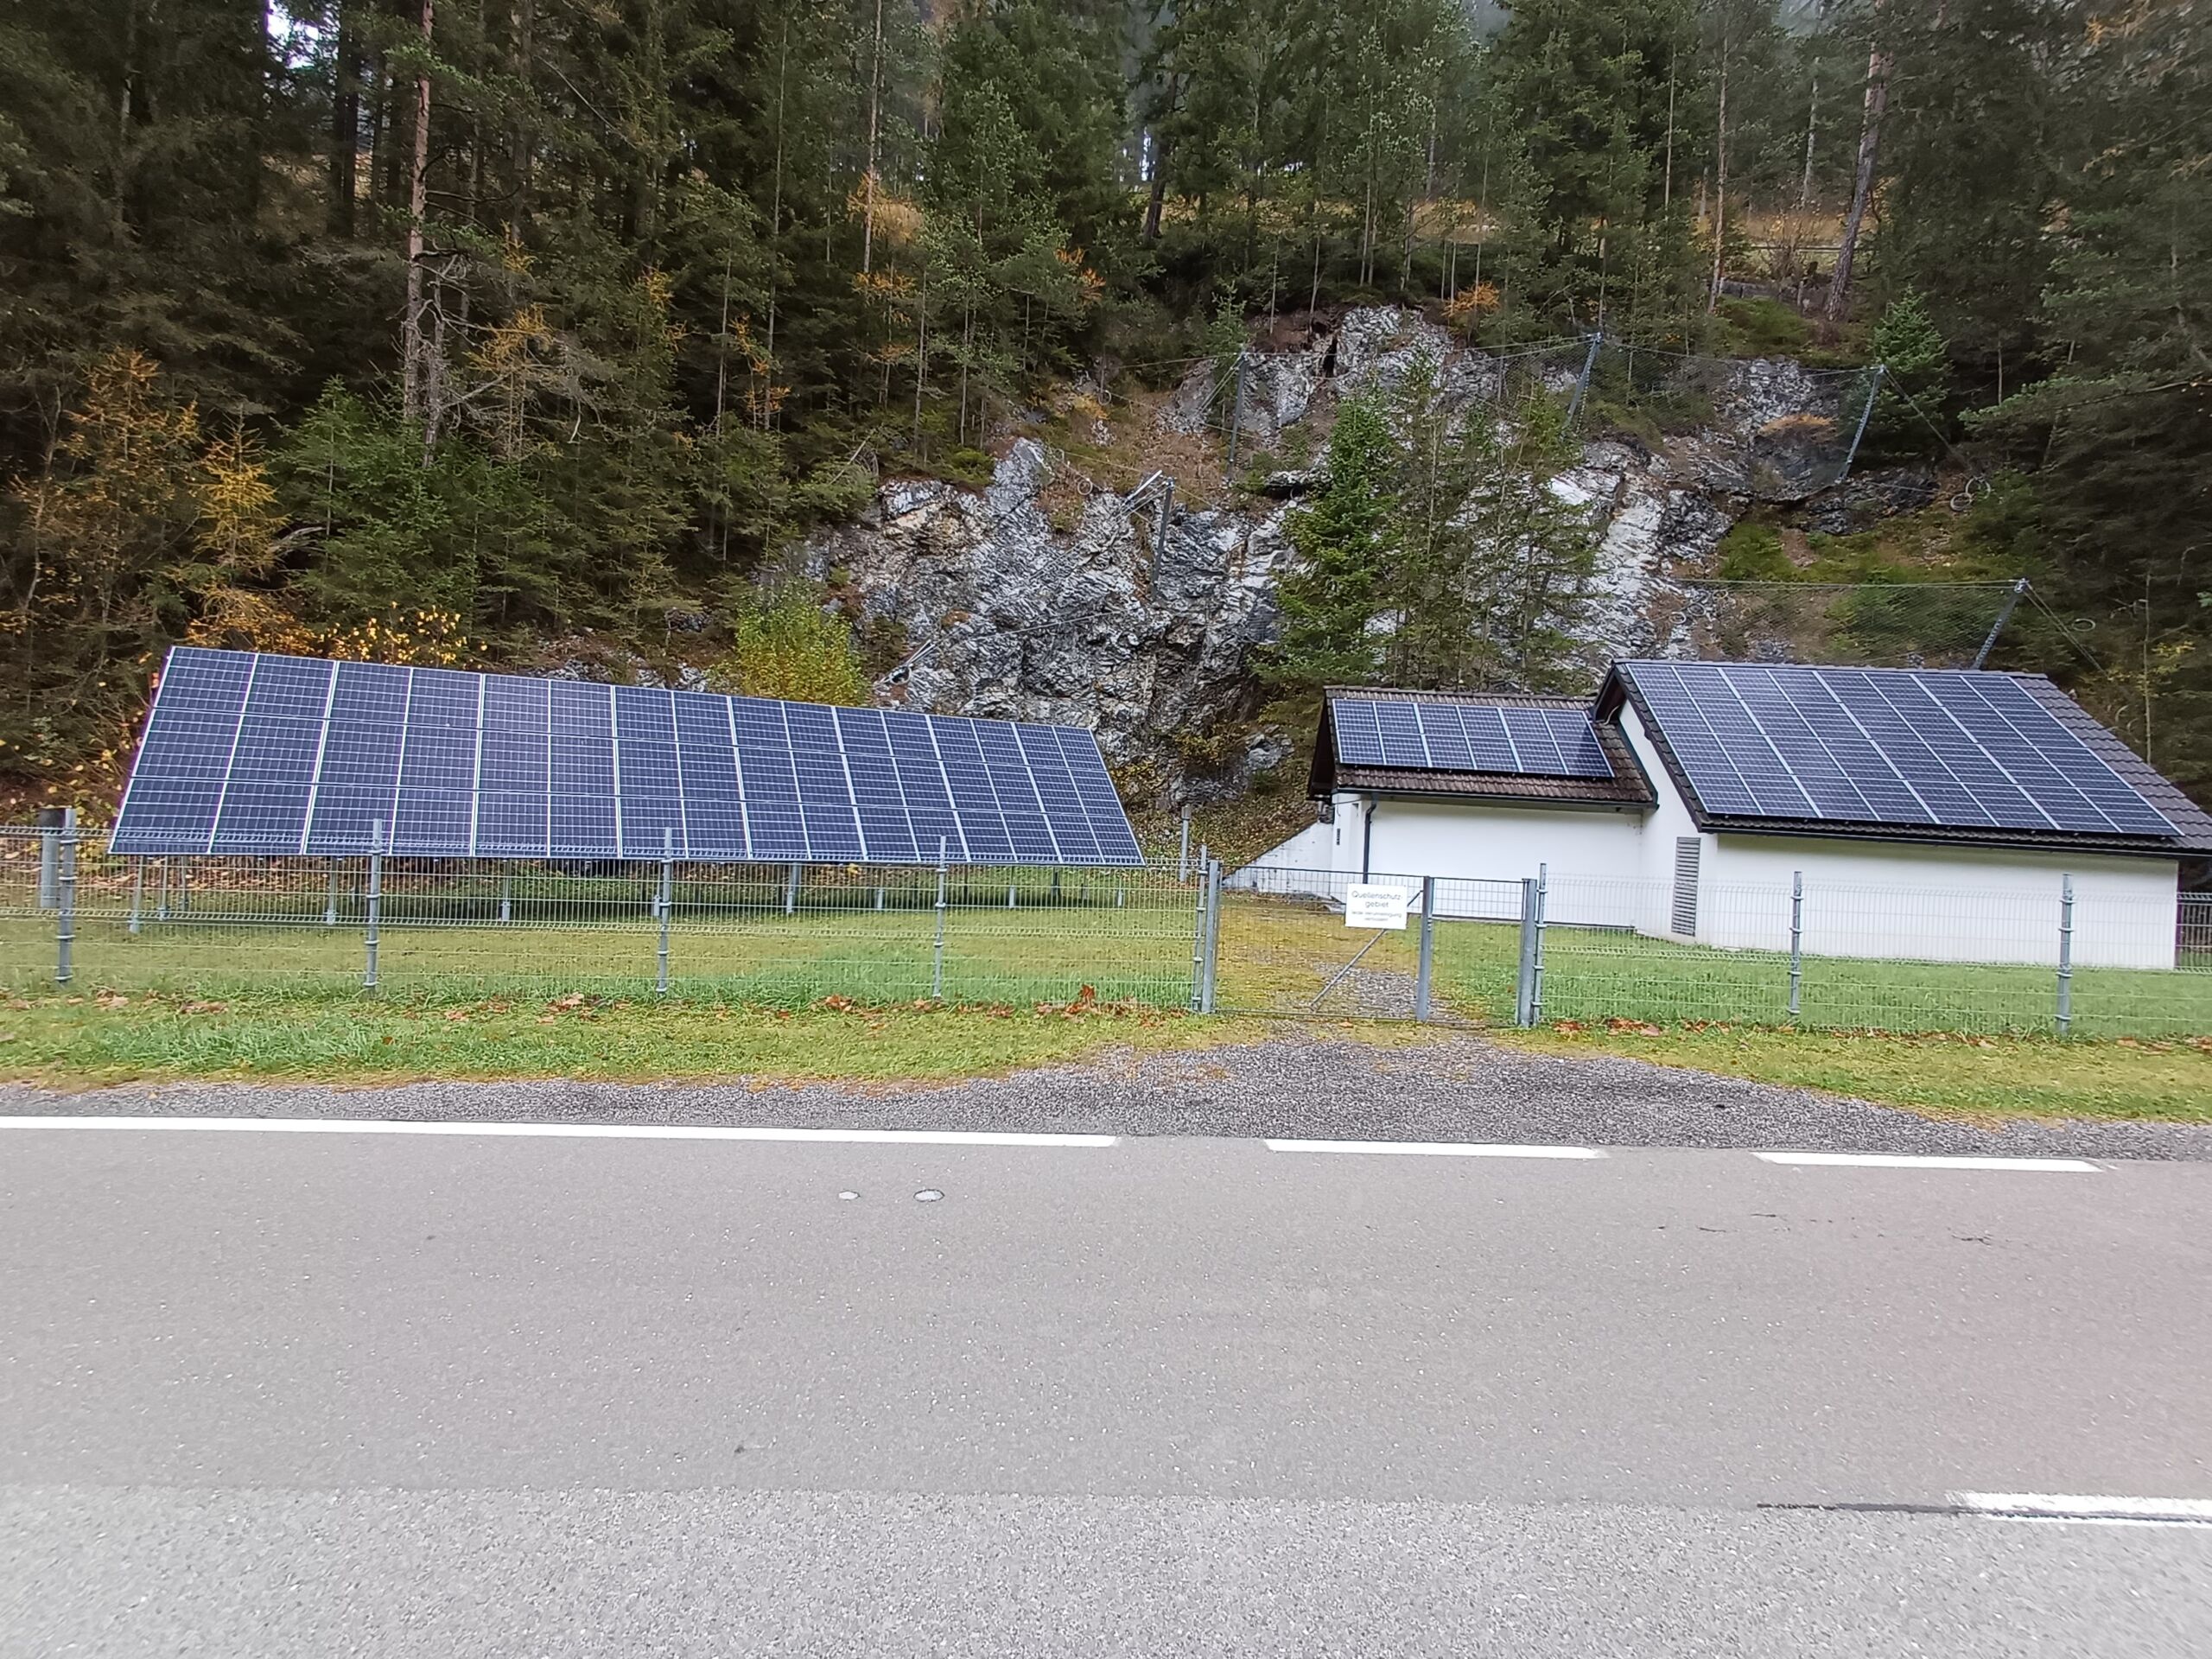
<point x="1422" y="976"/>
<point x="375" y="904"/>
<point x="667" y="903"/>
<point x="65" y="900"/>
<point x="1796" y="941"/>
<point x="790" y="891"/>
<point x="138" y="890"/>
<point x="937" y="957"/>
<point x="2065" y="955"/>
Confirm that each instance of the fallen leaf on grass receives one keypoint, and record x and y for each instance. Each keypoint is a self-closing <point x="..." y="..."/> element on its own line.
<point x="206" y="1007"/>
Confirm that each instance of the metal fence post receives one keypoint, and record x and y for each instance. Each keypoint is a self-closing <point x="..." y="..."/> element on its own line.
<point x="2065" y="955"/>
<point x="375" y="902"/>
<point x="51" y="820"/>
<point x="330" y="898"/>
<point x="138" y="890"/>
<point x="1213" y="937"/>
<point x="1797" y="940"/>
<point x="1198" y="950"/>
<point x="937" y="958"/>
<point x="790" y="891"/>
<point x="1536" y="972"/>
<point x="65" y="900"/>
<point x="1183" y="848"/>
<point x="507" y="896"/>
<point x="161" y="908"/>
<point x="1422" y="979"/>
<point x="666" y="903"/>
<point x="1524" y="978"/>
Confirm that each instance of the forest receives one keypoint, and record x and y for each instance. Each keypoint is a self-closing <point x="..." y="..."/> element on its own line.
<point x="499" y="331"/>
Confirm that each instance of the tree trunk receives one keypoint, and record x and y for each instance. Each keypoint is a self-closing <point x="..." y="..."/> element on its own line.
<point x="415" y="334"/>
<point x="1720" y="185"/>
<point x="344" y="124"/>
<point x="868" y="181"/>
<point x="1157" y="199"/>
<point x="1862" y="184"/>
<point x="522" y="20"/>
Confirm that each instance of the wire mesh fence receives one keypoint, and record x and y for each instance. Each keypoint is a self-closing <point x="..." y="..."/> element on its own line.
<point x="2089" y="960"/>
<point x="2091" y="963"/>
<point x="431" y="929"/>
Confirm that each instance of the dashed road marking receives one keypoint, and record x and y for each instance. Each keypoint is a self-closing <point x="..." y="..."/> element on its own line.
<point x="1907" y="1160"/>
<point x="1433" y="1149"/>
<point x="2088" y="1511"/>
<point x="563" y="1131"/>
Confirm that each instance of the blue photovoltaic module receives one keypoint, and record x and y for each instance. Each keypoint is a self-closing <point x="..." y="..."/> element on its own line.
<point x="1953" y="749"/>
<point x="1437" y="736"/>
<point x="246" y="753"/>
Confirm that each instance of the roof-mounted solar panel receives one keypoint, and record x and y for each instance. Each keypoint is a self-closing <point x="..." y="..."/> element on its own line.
<point x="1952" y="749"/>
<point x="1427" y="735"/>
<point x="256" y="753"/>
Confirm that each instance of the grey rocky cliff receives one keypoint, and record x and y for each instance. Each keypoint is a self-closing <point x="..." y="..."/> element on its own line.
<point x="1068" y="612"/>
<point x="1087" y="625"/>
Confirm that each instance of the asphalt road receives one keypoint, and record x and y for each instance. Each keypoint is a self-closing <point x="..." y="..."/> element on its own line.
<point x="332" y="1393"/>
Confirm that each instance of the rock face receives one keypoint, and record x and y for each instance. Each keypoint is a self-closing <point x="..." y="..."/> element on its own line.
<point x="1069" y="612"/>
<point x="1087" y="625"/>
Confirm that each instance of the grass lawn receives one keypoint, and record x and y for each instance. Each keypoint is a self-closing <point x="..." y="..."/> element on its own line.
<point x="235" y="945"/>
<point x="1278" y="955"/>
<point x="111" y="1038"/>
<point x="1977" y="1078"/>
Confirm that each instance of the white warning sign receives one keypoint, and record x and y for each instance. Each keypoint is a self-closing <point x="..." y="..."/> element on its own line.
<point x="1376" y="904"/>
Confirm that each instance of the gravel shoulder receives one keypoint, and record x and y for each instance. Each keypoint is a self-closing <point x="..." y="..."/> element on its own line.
<point x="1299" y="1085"/>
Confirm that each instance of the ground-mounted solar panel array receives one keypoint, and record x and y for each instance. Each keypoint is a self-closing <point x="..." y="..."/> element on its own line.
<point x="1419" y="735"/>
<point x="1944" y="747"/>
<point x="250" y="752"/>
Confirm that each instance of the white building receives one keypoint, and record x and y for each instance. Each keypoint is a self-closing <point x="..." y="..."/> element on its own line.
<point x="1937" y="815"/>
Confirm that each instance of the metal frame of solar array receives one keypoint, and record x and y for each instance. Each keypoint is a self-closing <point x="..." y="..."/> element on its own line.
<point x="1945" y="748"/>
<point x="256" y="753"/>
<point x="1466" y="737"/>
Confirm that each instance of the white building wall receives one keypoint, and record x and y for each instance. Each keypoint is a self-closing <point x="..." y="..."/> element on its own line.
<point x="1940" y="904"/>
<point x="1862" y="898"/>
<point x="1902" y="899"/>
<point x="1483" y="849"/>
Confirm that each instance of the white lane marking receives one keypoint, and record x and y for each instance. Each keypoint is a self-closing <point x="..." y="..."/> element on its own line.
<point x="561" y="1131"/>
<point x="2074" y="1506"/>
<point x="1903" y="1161"/>
<point x="1431" y="1149"/>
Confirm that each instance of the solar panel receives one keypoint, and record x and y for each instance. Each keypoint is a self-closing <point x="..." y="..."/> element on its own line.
<point x="1430" y="736"/>
<point x="256" y="753"/>
<point x="1948" y="747"/>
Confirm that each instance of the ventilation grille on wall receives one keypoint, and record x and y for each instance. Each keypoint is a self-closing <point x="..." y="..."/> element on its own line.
<point x="1686" y="856"/>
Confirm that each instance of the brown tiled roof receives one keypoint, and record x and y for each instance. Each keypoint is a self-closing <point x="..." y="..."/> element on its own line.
<point x="1495" y="785"/>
